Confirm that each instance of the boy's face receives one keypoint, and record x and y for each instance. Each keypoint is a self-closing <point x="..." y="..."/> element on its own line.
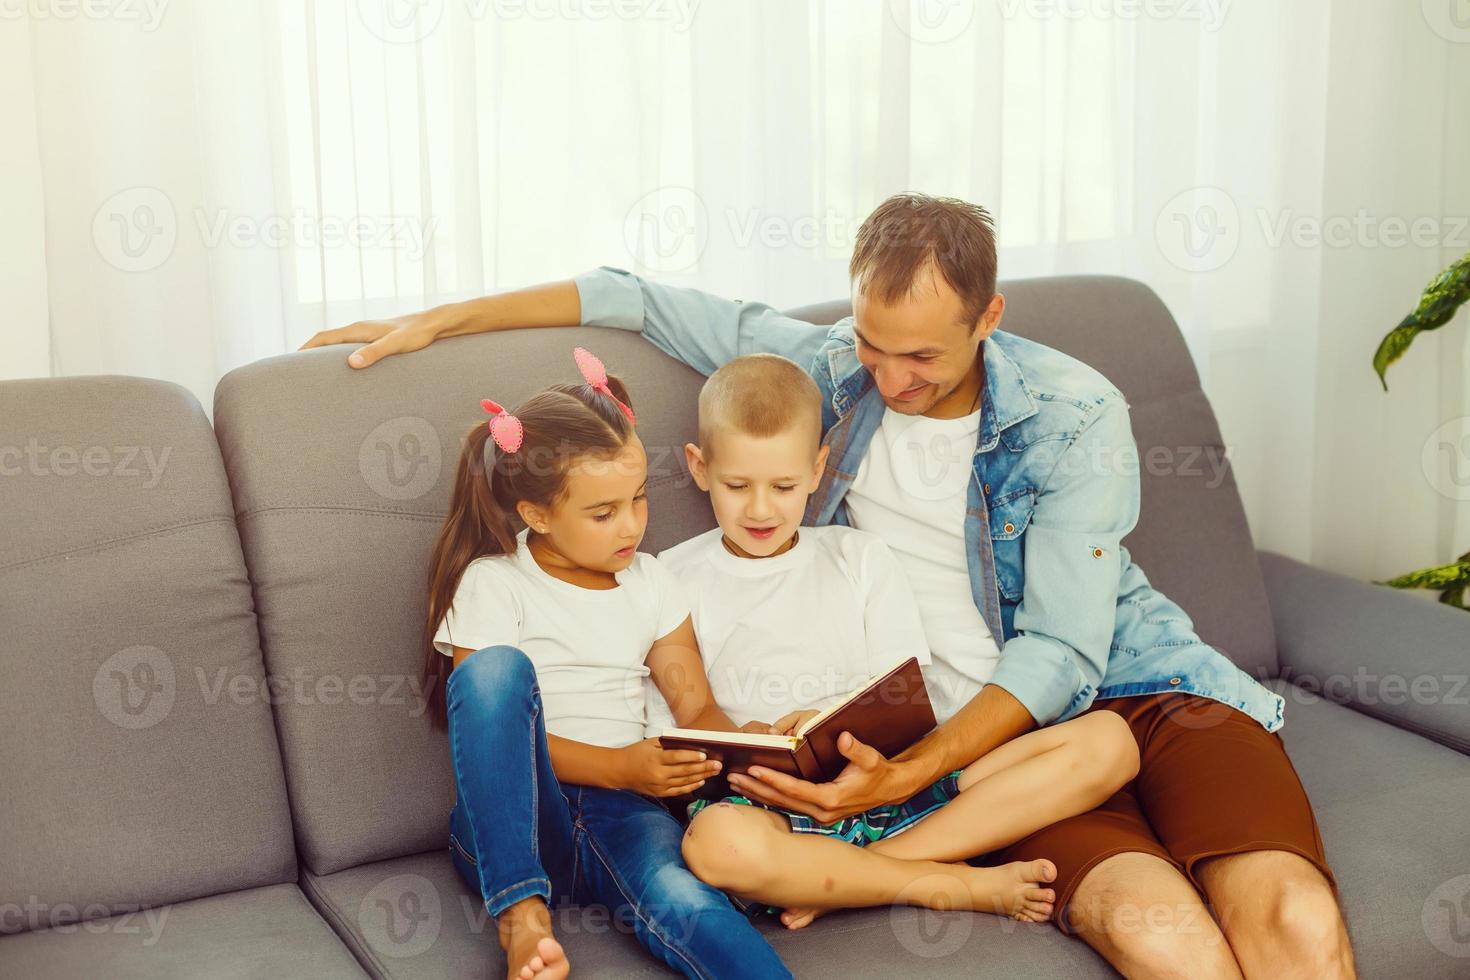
<point x="759" y="486"/>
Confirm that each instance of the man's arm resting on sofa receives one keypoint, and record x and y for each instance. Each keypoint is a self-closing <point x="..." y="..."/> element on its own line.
<point x="1389" y="655"/>
<point x="552" y="304"/>
<point x="700" y="329"/>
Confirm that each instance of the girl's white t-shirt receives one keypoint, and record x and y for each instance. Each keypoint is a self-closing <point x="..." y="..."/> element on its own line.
<point x="589" y="646"/>
<point x="798" y="630"/>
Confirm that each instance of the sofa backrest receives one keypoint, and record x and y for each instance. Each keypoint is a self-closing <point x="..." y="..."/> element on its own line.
<point x="1192" y="539"/>
<point x="141" y="764"/>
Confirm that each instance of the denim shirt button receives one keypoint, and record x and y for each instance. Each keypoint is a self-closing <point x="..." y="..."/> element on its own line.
<point x="1010" y="527"/>
<point x="987" y="488"/>
<point x="1173" y="680"/>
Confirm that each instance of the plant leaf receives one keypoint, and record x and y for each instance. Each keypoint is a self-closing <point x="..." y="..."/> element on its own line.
<point x="1454" y="597"/>
<point x="1392" y="348"/>
<point x="1442" y="577"/>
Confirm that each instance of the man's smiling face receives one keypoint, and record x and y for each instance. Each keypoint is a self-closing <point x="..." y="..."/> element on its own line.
<point x="920" y="349"/>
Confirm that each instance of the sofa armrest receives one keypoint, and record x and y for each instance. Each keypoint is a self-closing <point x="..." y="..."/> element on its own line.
<point x="1380" y="651"/>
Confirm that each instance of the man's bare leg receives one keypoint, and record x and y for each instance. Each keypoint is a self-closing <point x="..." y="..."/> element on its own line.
<point x="752" y="852"/>
<point x="1279" y="914"/>
<point x="1147" y="920"/>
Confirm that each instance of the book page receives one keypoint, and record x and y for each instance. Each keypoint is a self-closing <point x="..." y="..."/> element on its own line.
<point x="735" y="738"/>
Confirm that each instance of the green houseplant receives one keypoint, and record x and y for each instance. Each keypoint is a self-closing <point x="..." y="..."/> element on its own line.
<point x="1437" y="306"/>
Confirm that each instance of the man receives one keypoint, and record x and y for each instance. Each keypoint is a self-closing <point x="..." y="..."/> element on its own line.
<point x="989" y="465"/>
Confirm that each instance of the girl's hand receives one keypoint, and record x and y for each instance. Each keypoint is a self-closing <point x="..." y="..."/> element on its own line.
<point x="648" y="768"/>
<point x="756" y="728"/>
<point x="788" y="724"/>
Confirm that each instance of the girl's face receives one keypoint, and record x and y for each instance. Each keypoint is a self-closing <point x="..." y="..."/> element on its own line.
<point x="601" y="517"/>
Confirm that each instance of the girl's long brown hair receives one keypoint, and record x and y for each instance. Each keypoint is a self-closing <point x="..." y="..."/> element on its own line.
<point x="562" y="425"/>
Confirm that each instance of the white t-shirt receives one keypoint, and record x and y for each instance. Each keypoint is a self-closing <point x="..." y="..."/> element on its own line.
<point x="588" y="645"/>
<point x="798" y="630"/>
<point x="910" y="490"/>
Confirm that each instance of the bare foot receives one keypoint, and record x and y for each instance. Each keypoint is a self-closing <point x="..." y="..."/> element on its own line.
<point x="548" y="962"/>
<point x="800" y="918"/>
<point x="1017" y="890"/>
<point x="531" y="953"/>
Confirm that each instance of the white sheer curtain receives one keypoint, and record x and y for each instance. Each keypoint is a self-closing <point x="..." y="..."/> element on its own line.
<point x="195" y="185"/>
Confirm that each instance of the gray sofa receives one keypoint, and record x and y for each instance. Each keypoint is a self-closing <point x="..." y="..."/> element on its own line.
<point x="216" y="762"/>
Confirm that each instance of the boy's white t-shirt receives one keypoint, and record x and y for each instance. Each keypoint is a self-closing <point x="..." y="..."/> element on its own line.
<point x="588" y="645"/>
<point x="911" y="490"/>
<point x="797" y="630"/>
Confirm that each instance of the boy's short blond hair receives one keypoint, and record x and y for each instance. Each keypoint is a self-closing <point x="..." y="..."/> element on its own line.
<point x="759" y="395"/>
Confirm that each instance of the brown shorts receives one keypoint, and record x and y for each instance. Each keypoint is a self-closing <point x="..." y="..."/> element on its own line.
<point x="1211" y="781"/>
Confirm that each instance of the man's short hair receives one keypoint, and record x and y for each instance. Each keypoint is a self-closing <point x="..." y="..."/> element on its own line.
<point x="909" y="233"/>
<point x="760" y="395"/>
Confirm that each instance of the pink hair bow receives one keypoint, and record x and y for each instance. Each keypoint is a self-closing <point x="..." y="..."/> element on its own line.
<point x="505" y="428"/>
<point x="596" y="376"/>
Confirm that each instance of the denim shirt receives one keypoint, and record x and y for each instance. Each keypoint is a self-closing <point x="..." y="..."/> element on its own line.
<point x="1052" y="496"/>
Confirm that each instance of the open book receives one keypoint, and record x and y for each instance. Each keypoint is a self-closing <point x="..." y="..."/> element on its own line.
<point x="890" y="713"/>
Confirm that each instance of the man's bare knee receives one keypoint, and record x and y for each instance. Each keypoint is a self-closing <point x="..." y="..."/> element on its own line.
<point x="1147" y="920"/>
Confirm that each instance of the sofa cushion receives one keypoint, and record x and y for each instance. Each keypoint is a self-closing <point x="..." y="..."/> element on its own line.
<point x="1192" y="539"/>
<point x="414" y="917"/>
<point x="261" y="932"/>
<point x="141" y="762"/>
<point x="341" y="480"/>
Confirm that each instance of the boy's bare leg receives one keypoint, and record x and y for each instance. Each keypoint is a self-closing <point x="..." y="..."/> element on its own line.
<point x="1026" y="784"/>
<point x="752" y="852"/>
<point x="1029" y="783"/>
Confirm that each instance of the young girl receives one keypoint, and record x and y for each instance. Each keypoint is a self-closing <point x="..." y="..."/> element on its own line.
<point x="551" y="633"/>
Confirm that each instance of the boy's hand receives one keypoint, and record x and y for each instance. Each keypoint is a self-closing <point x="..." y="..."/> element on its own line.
<point x="788" y="724"/>
<point x="648" y="768"/>
<point x="758" y="728"/>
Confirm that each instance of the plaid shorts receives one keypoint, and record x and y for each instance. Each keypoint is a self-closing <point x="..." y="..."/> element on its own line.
<point x="860" y="829"/>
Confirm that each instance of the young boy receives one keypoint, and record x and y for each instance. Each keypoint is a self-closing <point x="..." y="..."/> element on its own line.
<point x="791" y="618"/>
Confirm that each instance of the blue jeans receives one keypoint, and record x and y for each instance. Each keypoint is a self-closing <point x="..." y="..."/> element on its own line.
<point x="516" y="832"/>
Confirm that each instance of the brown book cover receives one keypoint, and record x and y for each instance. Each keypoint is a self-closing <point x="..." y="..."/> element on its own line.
<point x="890" y="713"/>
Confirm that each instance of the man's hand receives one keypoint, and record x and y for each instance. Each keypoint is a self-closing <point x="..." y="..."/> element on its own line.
<point x="383" y="337"/>
<point x="867" y="781"/>
<point x="756" y="728"/>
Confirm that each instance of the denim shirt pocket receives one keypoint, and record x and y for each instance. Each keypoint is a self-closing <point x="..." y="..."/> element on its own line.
<point x="1010" y="515"/>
